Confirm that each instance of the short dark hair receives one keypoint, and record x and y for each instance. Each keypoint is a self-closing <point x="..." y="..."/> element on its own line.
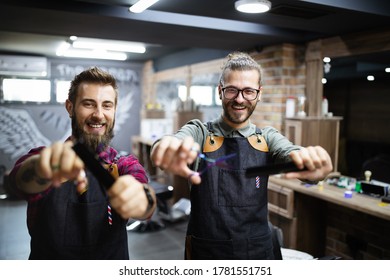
<point x="92" y="75"/>
<point x="240" y="61"/>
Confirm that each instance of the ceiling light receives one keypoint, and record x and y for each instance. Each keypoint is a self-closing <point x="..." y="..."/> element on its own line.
<point x="370" y="78"/>
<point x="101" y="54"/>
<point x="63" y="47"/>
<point x="141" y="5"/>
<point x="109" y="46"/>
<point x="253" y="6"/>
<point x="66" y="50"/>
<point x="99" y="48"/>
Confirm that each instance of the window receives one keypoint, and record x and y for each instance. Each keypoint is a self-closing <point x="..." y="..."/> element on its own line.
<point x="202" y="95"/>
<point x="26" y="90"/>
<point x="218" y="101"/>
<point x="62" y="89"/>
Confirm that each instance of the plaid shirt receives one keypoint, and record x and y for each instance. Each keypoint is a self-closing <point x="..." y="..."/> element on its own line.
<point x="126" y="164"/>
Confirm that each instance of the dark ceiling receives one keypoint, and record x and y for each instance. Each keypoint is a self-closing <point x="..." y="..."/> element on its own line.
<point x="171" y="26"/>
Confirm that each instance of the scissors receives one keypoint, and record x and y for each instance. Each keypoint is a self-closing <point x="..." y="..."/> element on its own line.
<point x="221" y="162"/>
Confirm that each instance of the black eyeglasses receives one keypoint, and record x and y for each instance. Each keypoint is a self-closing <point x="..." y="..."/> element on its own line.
<point x="249" y="94"/>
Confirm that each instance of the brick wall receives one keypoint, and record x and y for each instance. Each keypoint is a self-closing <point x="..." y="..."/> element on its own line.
<point x="354" y="235"/>
<point x="283" y="76"/>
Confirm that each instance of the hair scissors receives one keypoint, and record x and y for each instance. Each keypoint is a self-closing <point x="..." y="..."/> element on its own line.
<point x="220" y="162"/>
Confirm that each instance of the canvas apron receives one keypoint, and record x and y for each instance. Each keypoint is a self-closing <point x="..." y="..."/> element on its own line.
<point x="70" y="226"/>
<point x="229" y="214"/>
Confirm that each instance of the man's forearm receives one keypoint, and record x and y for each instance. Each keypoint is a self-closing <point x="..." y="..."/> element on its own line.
<point x="27" y="179"/>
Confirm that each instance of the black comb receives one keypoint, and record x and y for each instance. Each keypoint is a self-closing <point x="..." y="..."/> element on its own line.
<point x="272" y="169"/>
<point x="93" y="165"/>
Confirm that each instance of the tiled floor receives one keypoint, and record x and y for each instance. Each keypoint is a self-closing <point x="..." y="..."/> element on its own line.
<point x="166" y="243"/>
<point x="14" y="238"/>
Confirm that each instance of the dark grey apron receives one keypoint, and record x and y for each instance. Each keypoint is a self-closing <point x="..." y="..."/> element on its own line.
<point x="229" y="214"/>
<point x="72" y="227"/>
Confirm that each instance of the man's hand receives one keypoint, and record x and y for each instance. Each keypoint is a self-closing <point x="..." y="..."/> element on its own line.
<point x="173" y="155"/>
<point x="128" y="198"/>
<point x="53" y="166"/>
<point x="315" y="159"/>
<point x="59" y="162"/>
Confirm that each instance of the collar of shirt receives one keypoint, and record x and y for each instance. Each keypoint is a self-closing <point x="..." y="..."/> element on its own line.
<point x="221" y="128"/>
<point x="108" y="155"/>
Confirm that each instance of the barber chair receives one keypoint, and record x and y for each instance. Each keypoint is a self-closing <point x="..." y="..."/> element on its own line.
<point x="6" y="190"/>
<point x="167" y="212"/>
<point x="163" y="194"/>
<point x="282" y="253"/>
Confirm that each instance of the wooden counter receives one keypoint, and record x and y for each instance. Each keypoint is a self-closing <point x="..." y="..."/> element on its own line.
<point x="359" y="202"/>
<point x="321" y="221"/>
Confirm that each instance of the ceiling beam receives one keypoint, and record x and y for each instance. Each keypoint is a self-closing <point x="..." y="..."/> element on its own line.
<point x="376" y="7"/>
<point x="159" y="17"/>
<point x="211" y="23"/>
<point x="355" y="44"/>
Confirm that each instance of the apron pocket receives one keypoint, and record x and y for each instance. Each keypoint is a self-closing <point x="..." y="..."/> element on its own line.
<point x="210" y="249"/>
<point x="260" y="248"/>
<point x="235" y="190"/>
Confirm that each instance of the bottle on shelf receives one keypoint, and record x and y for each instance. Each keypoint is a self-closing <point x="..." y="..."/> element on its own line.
<point x="290" y="107"/>
<point x="301" y="106"/>
<point x="325" y="107"/>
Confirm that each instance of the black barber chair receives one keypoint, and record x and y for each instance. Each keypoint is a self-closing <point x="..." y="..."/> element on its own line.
<point x="163" y="194"/>
<point x="281" y="253"/>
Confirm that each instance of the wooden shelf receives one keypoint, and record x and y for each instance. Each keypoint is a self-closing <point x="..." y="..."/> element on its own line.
<point x="312" y="131"/>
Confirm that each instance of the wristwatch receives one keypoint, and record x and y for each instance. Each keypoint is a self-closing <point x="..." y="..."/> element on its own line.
<point x="148" y="196"/>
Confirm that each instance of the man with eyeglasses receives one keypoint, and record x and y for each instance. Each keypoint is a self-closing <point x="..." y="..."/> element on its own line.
<point x="229" y="214"/>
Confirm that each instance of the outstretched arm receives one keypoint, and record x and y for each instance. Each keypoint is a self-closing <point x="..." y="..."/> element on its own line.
<point x="52" y="166"/>
<point x="174" y="155"/>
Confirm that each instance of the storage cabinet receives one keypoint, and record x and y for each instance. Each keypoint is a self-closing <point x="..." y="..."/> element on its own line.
<point x="320" y="221"/>
<point x="300" y="217"/>
<point x="311" y="131"/>
<point x="281" y="213"/>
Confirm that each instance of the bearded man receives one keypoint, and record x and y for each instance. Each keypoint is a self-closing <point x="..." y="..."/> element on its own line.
<point x="70" y="215"/>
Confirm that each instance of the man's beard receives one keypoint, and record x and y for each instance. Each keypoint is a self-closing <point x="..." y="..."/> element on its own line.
<point x="231" y="117"/>
<point x="92" y="141"/>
